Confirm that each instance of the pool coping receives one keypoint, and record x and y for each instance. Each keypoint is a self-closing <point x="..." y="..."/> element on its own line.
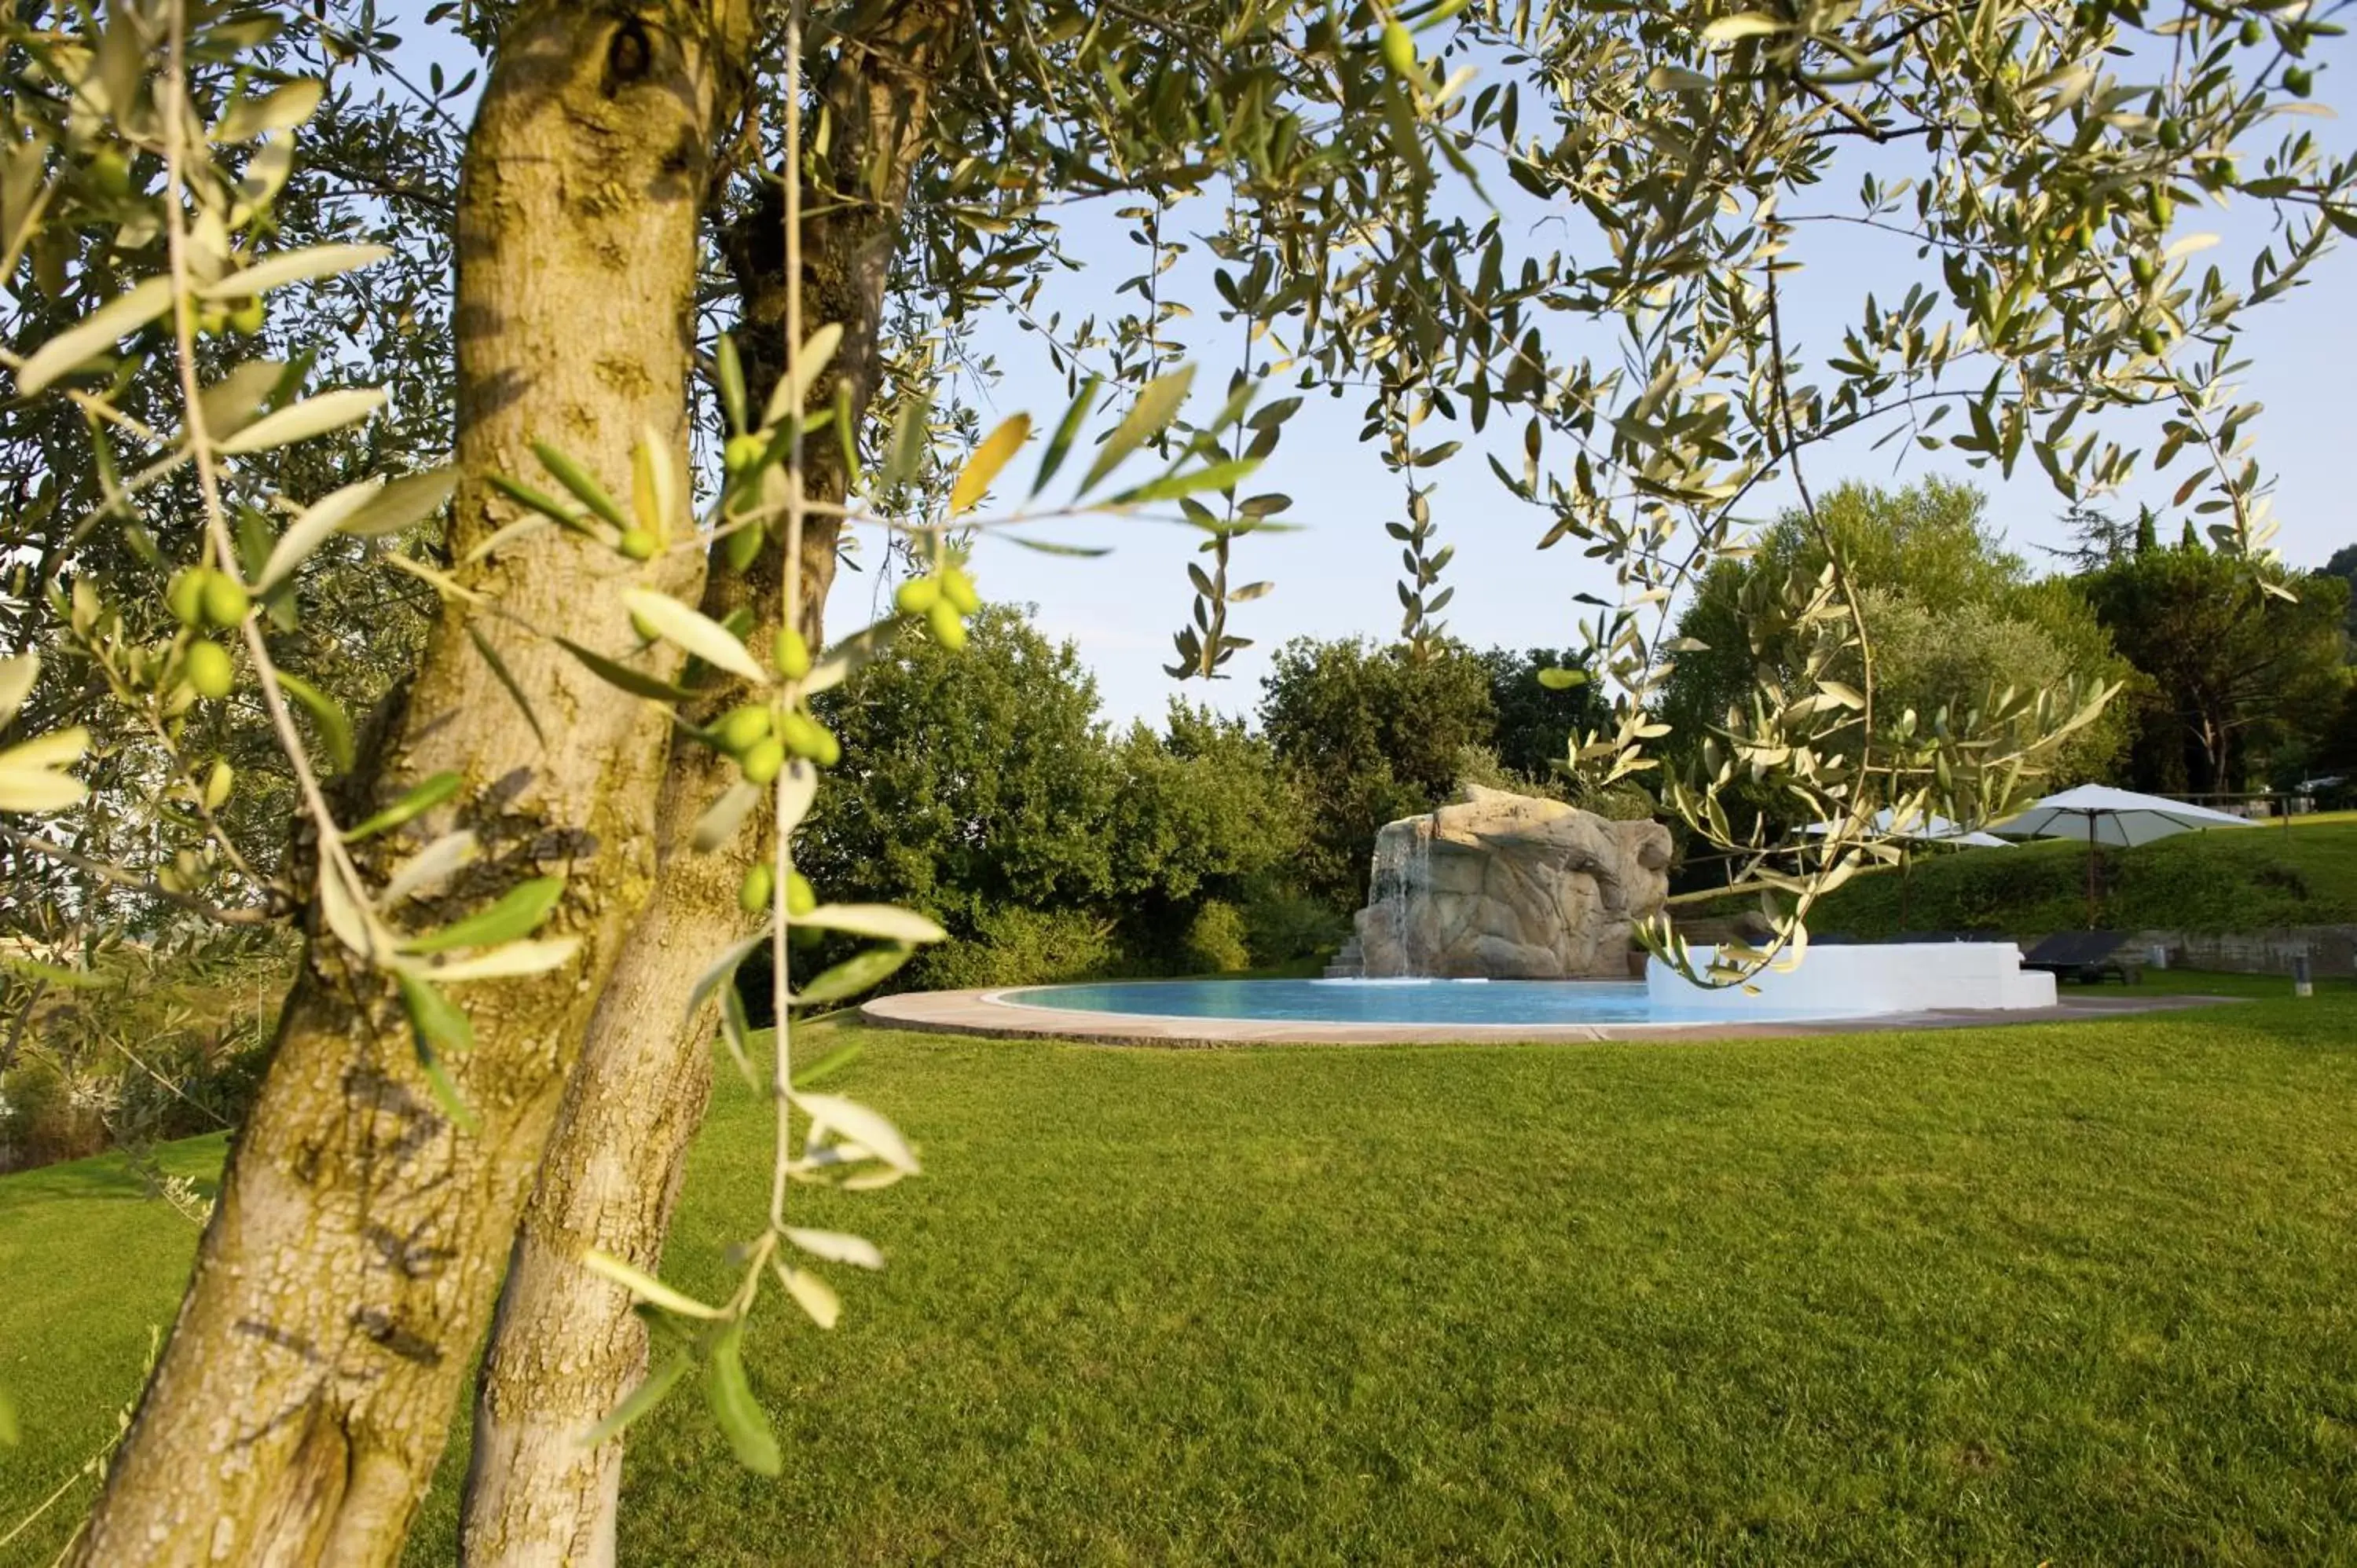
<point x="987" y="1012"/>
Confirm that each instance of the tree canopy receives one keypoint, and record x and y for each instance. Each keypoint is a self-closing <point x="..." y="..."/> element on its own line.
<point x="1957" y="619"/>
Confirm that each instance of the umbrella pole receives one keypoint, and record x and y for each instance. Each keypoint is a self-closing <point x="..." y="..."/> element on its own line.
<point x="2090" y="871"/>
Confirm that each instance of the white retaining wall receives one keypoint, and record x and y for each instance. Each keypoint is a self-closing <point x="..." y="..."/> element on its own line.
<point x="1849" y="980"/>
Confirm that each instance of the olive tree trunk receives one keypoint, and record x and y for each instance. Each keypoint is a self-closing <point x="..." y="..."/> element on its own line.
<point x="351" y="1265"/>
<point x="566" y="1346"/>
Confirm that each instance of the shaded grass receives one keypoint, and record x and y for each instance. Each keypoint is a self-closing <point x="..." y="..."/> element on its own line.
<point x="2228" y="879"/>
<point x="2073" y="1292"/>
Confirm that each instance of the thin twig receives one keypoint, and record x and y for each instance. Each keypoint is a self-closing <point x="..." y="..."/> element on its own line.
<point x="131" y="882"/>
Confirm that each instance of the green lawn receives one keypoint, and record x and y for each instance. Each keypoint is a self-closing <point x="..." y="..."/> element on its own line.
<point x="2082" y="1293"/>
<point x="2228" y="879"/>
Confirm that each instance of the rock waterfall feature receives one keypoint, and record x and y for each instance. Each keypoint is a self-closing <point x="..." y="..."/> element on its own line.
<point x="1507" y="886"/>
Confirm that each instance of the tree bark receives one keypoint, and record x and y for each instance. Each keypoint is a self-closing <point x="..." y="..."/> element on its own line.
<point x="566" y="1346"/>
<point x="305" y="1395"/>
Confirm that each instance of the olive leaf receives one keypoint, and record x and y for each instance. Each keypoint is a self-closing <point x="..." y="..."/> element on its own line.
<point x="1157" y="404"/>
<point x="988" y="458"/>
<point x="301" y="420"/>
<point x="733" y="1406"/>
<point x="429" y="794"/>
<point x="694" y="632"/>
<point x="518" y="913"/>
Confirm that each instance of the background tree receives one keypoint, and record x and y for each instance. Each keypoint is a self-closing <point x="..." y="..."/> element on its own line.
<point x="1957" y="618"/>
<point x="985" y="790"/>
<point x="1537" y="722"/>
<point x="2343" y="565"/>
<point x="1203" y="814"/>
<point x="1370" y="735"/>
<point x="2238" y="661"/>
<point x="969" y="783"/>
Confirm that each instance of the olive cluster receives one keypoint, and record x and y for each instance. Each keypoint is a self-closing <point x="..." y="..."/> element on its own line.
<point x="202" y="599"/>
<point x="944" y="600"/>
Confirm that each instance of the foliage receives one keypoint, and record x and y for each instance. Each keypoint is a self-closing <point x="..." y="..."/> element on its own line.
<point x="2343" y="565"/>
<point x="985" y="790"/>
<point x="2228" y="879"/>
<point x="1369" y="735"/>
<point x="2238" y="660"/>
<point x="1478" y="767"/>
<point x="1958" y="620"/>
<point x="134" y="1044"/>
<point x="1282" y="926"/>
<point x="1200" y="808"/>
<point x="1217" y="940"/>
<point x="1732" y="1228"/>
<point x="1015" y="945"/>
<point x="1537" y="721"/>
<point x="971" y="782"/>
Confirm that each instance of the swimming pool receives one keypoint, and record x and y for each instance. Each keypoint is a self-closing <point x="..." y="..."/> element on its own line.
<point x="1490" y="1003"/>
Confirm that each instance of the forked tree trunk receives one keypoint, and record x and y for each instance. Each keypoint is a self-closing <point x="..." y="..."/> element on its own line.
<point x="361" y="1237"/>
<point x="566" y="1346"/>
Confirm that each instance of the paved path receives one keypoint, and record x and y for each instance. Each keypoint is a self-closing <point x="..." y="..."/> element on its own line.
<point x="985" y="1013"/>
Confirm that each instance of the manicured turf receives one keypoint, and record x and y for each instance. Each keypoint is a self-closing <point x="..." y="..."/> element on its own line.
<point x="2084" y="1292"/>
<point x="2227" y="879"/>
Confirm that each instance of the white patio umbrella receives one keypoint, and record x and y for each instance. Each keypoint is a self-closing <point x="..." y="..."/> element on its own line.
<point x="2122" y="818"/>
<point x="1916" y="827"/>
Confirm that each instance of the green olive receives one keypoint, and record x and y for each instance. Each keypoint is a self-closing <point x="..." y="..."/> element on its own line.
<point x="753" y="895"/>
<point x="744" y="451"/>
<point x="249" y="316"/>
<point x="209" y="669"/>
<point x="742" y="729"/>
<point x="947" y="628"/>
<point x="2153" y="342"/>
<point x="2143" y="269"/>
<point x="2297" y="80"/>
<point x="638" y="544"/>
<point x="793" y="653"/>
<point x="830" y="750"/>
<point x="762" y="761"/>
<point x="185" y="595"/>
<point x="110" y="174"/>
<point x="801" y="897"/>
<point x="799" y="733"/>
<point x="958" y="589"/>
<point x="2250" y="33"/>
<point x="226" y="601"/>
<point x="917" y="596"/>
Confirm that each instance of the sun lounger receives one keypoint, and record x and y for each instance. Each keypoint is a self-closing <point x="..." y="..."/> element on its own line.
<point x="2088" y="957"/>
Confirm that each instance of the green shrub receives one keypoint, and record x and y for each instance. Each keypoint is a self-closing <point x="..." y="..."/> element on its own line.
<point x="1281" y="924"/>
<point x="1016" y="946"/>
<point x="1216" y="941"/>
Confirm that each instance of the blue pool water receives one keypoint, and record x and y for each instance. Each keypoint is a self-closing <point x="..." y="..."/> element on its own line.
<point x="1506" y="1001"/>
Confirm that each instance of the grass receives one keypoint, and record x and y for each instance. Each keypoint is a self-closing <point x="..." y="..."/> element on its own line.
<point x="2077" y="1293"/>
<point x="2229" y="880"/>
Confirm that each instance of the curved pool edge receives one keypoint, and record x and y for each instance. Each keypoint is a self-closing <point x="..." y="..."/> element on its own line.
<point x="988" y="1013"/>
